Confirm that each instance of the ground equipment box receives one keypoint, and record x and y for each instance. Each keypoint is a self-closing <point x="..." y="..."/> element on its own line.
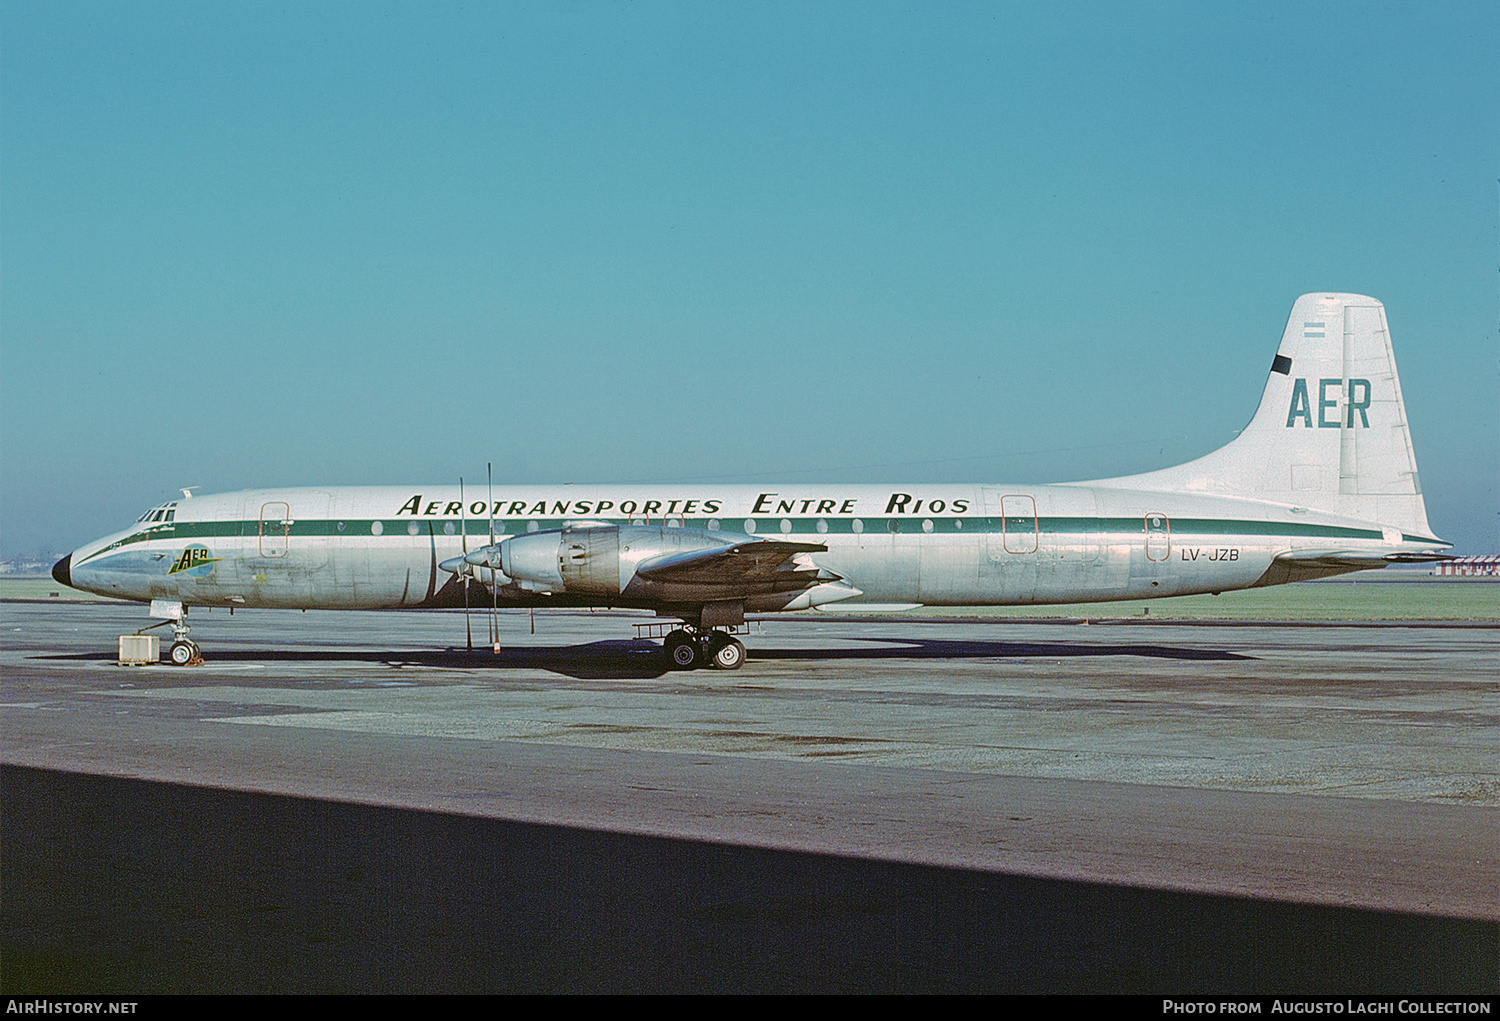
<point x="138" y="650"/>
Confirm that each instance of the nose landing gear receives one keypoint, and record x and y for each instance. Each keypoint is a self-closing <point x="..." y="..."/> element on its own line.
<point x="183" y="651"/>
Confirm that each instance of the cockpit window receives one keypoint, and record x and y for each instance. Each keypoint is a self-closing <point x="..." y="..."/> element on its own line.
<point x="166" y="512"/>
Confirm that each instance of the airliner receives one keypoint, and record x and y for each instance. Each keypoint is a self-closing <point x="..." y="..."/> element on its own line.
<point x="1321" y="482"/>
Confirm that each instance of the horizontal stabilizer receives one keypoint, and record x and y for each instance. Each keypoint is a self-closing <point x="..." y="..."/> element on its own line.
<point x="1355" y="559"/>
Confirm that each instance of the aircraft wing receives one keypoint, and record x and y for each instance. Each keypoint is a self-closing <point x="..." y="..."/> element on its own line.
<point x="756" y="560"/>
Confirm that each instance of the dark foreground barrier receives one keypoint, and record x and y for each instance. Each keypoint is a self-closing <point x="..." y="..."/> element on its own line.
<point x="135" y="887"/>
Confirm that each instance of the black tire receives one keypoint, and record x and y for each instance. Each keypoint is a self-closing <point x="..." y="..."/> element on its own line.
<point x="726" y="653"/>
<point x="683" y="653"/>
<point x="182" y="653"/>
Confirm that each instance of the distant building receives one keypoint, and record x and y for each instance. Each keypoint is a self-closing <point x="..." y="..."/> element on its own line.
<point x="1471" y="566"/>
<point x="27" y="566"/>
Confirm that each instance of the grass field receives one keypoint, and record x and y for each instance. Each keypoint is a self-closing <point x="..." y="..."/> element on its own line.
<point x="44" y="588"/>
<point x="1363" y="600"/>
<point x="1360" y="599"/>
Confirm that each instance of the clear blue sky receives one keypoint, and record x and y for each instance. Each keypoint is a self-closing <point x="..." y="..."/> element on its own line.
<point x="265" y="244"/>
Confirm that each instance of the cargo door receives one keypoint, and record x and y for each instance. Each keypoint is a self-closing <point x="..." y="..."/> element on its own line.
<point x="1012" y="530"/>
<point x="1012" y="526"/>
<point x="1018" y="523"/>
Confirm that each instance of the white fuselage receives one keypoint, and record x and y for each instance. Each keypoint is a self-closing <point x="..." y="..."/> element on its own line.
<point x="381" y="547"/>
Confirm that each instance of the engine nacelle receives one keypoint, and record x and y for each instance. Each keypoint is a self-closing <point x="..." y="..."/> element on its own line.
<point x="532" y="560"/>
<point x="596" y="559"/>
<point x="649" y="565"/>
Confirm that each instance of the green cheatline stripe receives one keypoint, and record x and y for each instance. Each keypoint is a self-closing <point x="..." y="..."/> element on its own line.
<point x="767" y="527"/>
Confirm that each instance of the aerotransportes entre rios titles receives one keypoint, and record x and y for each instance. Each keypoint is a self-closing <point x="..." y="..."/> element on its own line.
<point x="1322" y="481"/>
<point x="661" y="509"/>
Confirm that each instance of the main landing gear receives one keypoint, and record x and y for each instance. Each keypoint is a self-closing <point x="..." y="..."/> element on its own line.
<point x="688" y="648"/>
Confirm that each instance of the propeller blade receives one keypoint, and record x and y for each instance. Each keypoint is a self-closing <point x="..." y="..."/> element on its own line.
<point x="463" y="528"/>
<point x="489" y="468"/>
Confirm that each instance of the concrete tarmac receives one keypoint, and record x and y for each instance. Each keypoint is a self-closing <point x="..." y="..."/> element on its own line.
<point x="353" y="802"/>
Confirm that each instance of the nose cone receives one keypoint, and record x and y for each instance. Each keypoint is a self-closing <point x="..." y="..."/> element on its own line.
<point x="63" y="571"/>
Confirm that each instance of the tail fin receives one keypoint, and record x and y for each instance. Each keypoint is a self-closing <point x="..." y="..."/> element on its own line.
<point x="1330" y="433"/>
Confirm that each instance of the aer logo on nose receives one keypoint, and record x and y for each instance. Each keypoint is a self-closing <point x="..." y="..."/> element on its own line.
<point x="195" y="561"/>
<point x="1357" y="392"/>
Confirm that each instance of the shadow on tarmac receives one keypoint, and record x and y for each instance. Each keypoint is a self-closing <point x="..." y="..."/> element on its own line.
<point x="129" y="886"/>
<point x="638" y="658"/>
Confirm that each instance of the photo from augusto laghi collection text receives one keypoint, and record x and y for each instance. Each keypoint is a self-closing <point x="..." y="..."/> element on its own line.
<point x="1272" y="1005"/>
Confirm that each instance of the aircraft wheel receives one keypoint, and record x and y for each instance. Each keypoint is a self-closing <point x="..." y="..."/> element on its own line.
<point x="683" y="653"/>
<point x="182" y="653"/>
<point x="726" y="653"/>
